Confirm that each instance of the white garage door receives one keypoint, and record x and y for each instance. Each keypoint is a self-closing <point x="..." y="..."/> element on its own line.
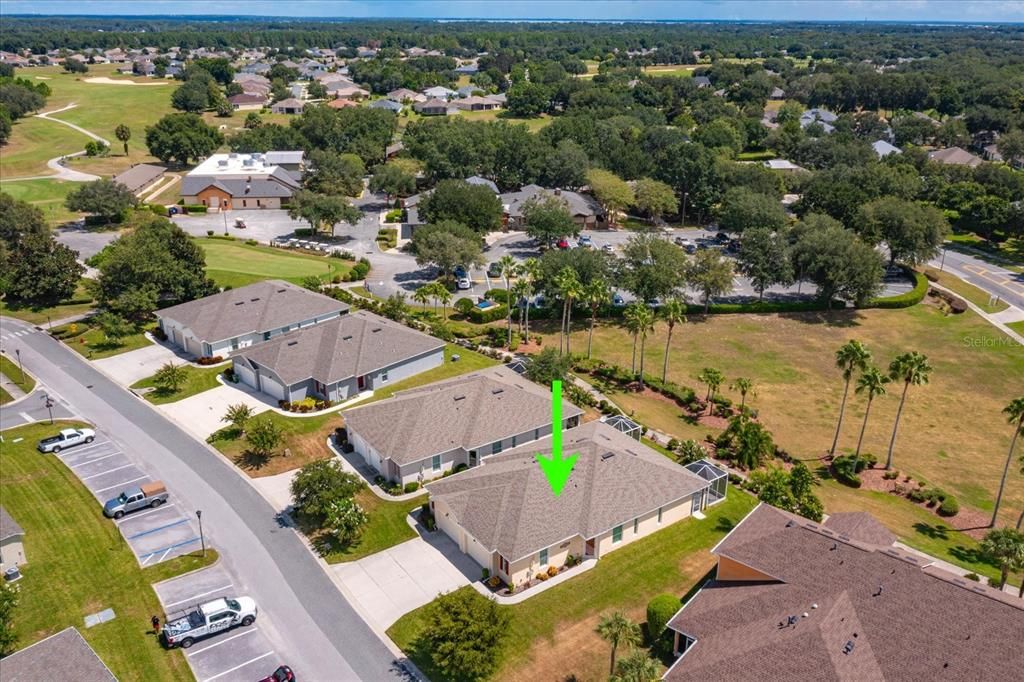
<point x="271" y="387"/>
<point x="247" y="376"/>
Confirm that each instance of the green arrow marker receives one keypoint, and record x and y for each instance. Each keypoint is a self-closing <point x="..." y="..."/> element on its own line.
<point x="557" y="468"/>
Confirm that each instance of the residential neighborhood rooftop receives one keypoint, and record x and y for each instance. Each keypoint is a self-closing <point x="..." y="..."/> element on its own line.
<point x="507" y="505"/>
<point x="258" y="307"/>
<point x="9" y="528"/>
<point x="138" y="176"/>
<point x="347" y="346"/>
<point x="65" y="656"/>
<point x="829" y="607"/>
<point x="467" y="411"/>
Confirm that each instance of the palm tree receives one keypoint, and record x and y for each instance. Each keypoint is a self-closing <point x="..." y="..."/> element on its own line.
<point x="645" y="325"/>
<point x="529" y="272"/>
<point x="713" y="378"/>
<point x="852" y="356"/>
<point x="520" y="292"/>
<point x="910" y="368"/>
<point x="744" y="386"/>
<point x="673" y="312"/>
<point x="445" y="297"/>
<point x="568" y="285"/>
<point x="872" y="383"/>
<point x="616" y="629"/>
<point x="632" y="322"/>
<point x="1015" y="413"/>
<point x="636" y="667"/>
<point x="508" y="266"/>
<point x="595" y="295"/>
<point x="422" y="296"/>
<point x="123" y="133"/>
<point x="1005" y="548"/>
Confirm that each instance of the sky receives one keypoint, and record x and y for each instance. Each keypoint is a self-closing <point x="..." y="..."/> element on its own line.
<point x="922" y="11"/>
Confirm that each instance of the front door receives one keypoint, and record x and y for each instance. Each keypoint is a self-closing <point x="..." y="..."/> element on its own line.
<point x="697" y="501"/>
<point x="472" y="458"/>
<point x="589" y="548"/>
<point x="361" y="383"/>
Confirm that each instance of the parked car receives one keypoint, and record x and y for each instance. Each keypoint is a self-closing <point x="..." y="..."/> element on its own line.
<point x="608" y="248"/>
<point x="239" y="224"/>
<point x="146" y="495"/>
<point x="618" y="301"/>
<point x="585" y="241"/>
<point x="66" y="439"/>
<point x="563" y="244"/>
<point x="460" y="271"/>
<point x="539" y="302"/>
<point x="733" y="246"/>
<point x="494" y="269"/>
<point x="654" y="302"/>
<point x="722" y="238"/>
<point x="463" y="283"/>
<point x="209" y="619"/>
<point x="282" y="674"/>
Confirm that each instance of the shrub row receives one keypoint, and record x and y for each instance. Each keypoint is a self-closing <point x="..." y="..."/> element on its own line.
<point x="911" y="298"/>
<point x="209" y="360"/>
<point x="387" y="237"/>
<point x="683" y="395"/>
<point x="498" y="312"/>
<point x="194" y="208"/>
<point x="359" y="270"/>
<point x="307" y="404"/>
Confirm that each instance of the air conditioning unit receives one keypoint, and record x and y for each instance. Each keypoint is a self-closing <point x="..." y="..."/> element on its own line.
<point x="12" y="574"/>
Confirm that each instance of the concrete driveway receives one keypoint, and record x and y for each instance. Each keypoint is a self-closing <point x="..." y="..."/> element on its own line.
<point x="201" y="414"/>
<point x="127" y="368"/>
<point x="391" y="583"/>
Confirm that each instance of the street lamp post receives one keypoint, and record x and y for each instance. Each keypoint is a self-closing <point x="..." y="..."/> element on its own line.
<point x="17" y="351"/>
<point x="942" y="263"/>
<point x="225" y="215"/>
<point x="202" y="538"/>
<point x="49" y="406"/>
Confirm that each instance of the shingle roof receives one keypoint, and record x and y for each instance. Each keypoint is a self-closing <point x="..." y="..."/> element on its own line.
<point x="260" y="307"/>
<point x="138" y="176"/>
<point x="348" y="346"/>
<point x="507" y="505"/>
<point x="955" y="156"/>
<point x="65" y="656"/>
<point x="465" y="412"/>
<point x="257" y="188"/>
<point x="884" y="148"/>
<point x="8" y="526"/>
<point x="578" y="204"/>
<point x="872" y="613"/>
<point x="860" y="526"/>
<point x="247" y="98"/>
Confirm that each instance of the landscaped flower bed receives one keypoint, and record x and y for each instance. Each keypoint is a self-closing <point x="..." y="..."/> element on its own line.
<point x="498" y="586"/>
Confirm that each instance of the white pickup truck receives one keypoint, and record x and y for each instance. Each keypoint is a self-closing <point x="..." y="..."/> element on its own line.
<point x="65" y="439"/>
<point x="209" y="619"/>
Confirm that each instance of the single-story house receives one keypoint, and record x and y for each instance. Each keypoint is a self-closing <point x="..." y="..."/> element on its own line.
<point x="883" y="148"/>
<point x="503" y="513"/>
<point x="435" y="107"/>
<point x="65" y="656"/>
<point x="389" y="104"/>
<point x="702" y="81"/>
<point x="346" y="90"/>
<point x="777" y="94"/>
<point x="585" y="210"/>
<point x="235" y="180"/>
<point x="139" y="177"/>
<point x="421" y="433"/>
<point x="12" y="550"/>
<point x="440" y="92"/>
<point x="342" y="103"/>
<point x="406" y="95"/>
<point x="248" y="101"/>
<point x="239" y="318"/>
<point x="794" y="599"/>
<point x="288" y="106"/>
<point x="338" y="359"/>
<point x="478" y="180"/>
<point x="469" y="90"/>
<point x="477" y="103"/>
<point x="783" y="165"/>
<point x="955" y="156"/>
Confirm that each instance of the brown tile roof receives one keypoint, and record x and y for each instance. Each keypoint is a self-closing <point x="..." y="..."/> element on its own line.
<point x="860" y="526"/>
<point x="860" y="612"/>
<point x="347" y="346"/>
<point x="507" y="505"/>
<point x="341" y="103"/>
<point x="65" y="656"/>
<point x="465" y="412"/>
<point x="260" y="307"/>
<point x="9" y="528"/>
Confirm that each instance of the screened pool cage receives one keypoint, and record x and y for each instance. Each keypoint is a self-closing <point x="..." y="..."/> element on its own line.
<point x="715" y="475"/>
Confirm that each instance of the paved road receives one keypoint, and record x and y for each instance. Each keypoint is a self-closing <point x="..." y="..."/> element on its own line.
<point x="63" y="173"/>
<point x="997" y="281"/>
<point x="306" y="616"/>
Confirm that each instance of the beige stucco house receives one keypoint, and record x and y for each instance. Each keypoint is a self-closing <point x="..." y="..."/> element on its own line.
<point x="505" y="516"/>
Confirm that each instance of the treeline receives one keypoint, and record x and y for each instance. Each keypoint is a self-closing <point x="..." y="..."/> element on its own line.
<point x="675" y="42"/>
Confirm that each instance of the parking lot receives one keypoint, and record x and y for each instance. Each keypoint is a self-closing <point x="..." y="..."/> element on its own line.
<point x="154" y="535"/>
<point x="243" y="653"/>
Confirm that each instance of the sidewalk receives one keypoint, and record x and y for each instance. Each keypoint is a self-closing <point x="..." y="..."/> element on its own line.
<point x="994" y="320"/>
<point x="352" y="463"/>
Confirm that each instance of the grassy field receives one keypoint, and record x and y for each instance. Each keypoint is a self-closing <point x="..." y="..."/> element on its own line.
<point x="79" y="304"/>
<point x="197" y="380"/>
<point x="92" y="343"/>
<point x="236" y="264"/>
<point x="469" y="361"/>
<point x="798" y="390"/>
<point x="305" y="438"/>
<point x="968" y="291"/>
<point x="47" y="195"/>
<point x="552" y="634"/>
<point x="386" y="528"/>
<point x="33" y="142"/>
<point x="79" y="564"/>
<point x="9" y="368"/>
<point x="534" y="124"/>
<point x="684" y="70"/>
<point x="1017" y="326"/>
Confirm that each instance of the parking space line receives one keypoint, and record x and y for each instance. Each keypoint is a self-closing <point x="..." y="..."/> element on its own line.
<point x="247" y="631"/>
<point x="119" y="485"/>
<point x="156" y="530"/>
<point x="83" y="448"/>
<point x="108" y="471"/>
<point x="141" y="514"/>
<point x="201" y="594"/>
<point x="175" y="545"/>
<point x="231" y="670"/>
<point x="113" y="454"/>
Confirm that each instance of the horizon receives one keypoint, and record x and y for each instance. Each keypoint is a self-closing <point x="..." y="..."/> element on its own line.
<point x="537" y="11"/>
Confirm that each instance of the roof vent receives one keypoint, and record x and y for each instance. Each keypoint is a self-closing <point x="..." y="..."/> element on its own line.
<point x="346" y="338"/>
<point x="239" y="302"/>
<point x="460" y="397"/>
<point x="607" y="455"/>
<point x="253" y="300"/>
<point x="293" y="343"/>
<point x="496" y="391"/>
<point x="374" y="331"/>
<point x="848" y="647"/>
<point x="281" y="291"/>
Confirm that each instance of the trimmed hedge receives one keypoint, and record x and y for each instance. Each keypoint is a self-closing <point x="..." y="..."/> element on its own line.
<point x="194" y="208"/>
<point x="911" y="298"/>
<point x="497" y="295"/>
<point x="492" y="314"/>
<point x="659" y="612"/>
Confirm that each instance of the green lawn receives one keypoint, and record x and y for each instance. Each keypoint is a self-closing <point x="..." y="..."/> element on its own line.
<point x="47" y="195"/>
<point x="968" y="291"/>
<point x="33" y="142"/>
<point x="79" y="564"/>
<point x="469" y="361"/>
<point x="236" y="264"/>
<point x="305" y="438"/>
<point x="551" y="634"/>
<point x="387" y="527"/>
<point x="534" y="124"/>
<point x="79" y="304"/>
<point x="1017" y="326"/>
<point x="197" y="380"/>
<point x="9" y="368"/>
<point x="92" y="343"/>
<point x="5" y="397"/>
